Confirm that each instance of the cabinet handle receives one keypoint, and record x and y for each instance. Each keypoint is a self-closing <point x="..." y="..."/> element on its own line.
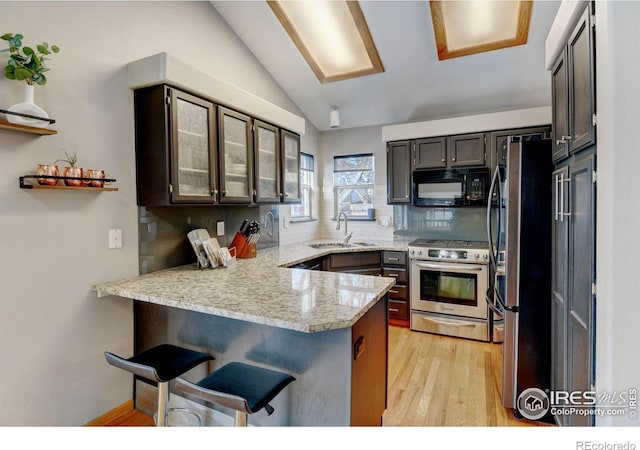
<point x="394" y="275"/>
<point x="562" y="213"/>
<point x="394" y="310"/>
<point x="563" y="140"/>
<point x="442" y="160"/>
<point x="224" y="192"/>
<point x="453" y="159"/>
<point x="392" y="291"/>
<point x="393" y="259"/>
<point x="214" y="192"/>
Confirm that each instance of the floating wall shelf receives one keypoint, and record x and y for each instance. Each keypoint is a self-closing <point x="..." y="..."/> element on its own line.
<point x="26" y="128"/>
<point x="35" y="185"/>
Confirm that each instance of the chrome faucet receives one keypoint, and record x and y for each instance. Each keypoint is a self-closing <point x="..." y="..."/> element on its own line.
<point x="270" y="232"/>
<point x="347" y="237"/>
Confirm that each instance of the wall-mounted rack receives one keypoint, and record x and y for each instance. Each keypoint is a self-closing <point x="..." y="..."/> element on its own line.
<point x="35" y="185"/>
<point x="26" y="128"/>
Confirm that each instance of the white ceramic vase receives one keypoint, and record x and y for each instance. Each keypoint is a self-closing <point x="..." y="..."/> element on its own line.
<point x="27" y="106"/>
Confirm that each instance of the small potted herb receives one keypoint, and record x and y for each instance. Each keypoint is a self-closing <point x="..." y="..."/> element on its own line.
<point x="71" y="170"/>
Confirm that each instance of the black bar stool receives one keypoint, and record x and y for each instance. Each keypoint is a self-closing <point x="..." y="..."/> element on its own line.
<point x="239" y="386"/>
<point x="161" y="364"/>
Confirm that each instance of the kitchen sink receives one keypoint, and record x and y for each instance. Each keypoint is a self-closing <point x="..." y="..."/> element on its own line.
<point x="332" y="245"/>
<point x="323" y="245"/>
<point x="365" y="244"/>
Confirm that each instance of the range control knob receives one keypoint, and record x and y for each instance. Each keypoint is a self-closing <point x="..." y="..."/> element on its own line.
<point x="419" y="252"/>
<point x="477" y="256"/>
<point x="485" y="256"/>
<point x="412" y="252"/>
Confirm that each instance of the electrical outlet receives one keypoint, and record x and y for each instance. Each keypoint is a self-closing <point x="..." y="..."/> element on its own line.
<point x="115" y="238"/>
<point x="220" y="228"/>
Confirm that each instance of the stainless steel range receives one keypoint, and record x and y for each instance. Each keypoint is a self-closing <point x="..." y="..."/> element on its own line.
<point x="449" y="281"/>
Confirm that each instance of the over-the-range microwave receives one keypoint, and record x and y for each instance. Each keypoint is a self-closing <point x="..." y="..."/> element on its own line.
<point x="451" y="187"/>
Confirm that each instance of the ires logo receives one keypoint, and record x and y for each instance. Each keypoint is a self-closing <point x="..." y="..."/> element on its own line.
<point x="534" y="403"/>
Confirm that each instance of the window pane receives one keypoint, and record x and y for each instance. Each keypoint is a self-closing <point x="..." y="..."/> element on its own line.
<point x="303" y="210"/>
<point x="354" y="178"/>
<point x="353" y="162"/>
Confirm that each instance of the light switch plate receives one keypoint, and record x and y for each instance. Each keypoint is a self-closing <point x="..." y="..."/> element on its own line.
<point x="220" y="228"/>
<point x="115" y="238"/>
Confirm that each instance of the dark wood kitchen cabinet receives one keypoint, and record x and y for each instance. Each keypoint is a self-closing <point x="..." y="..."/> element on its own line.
<point x="573" y="280"/>
<point x="449" y="151"/>
<point x="467" y="150"/>
<point x="394" y="265"/>
<point x="192" y="151"/>
<point x="362" y="263"/>
<point x="429" y="153"/>
<point x="573" y="90"/>
<point x="290" y="167"/>
<point x="266" y="146"/>
<point x="498" y="142"/>
<point x="573" y="245"/>
<point x="236" y="156"/>
<point x="176" y="151"/>
<point x="398" y="172"/>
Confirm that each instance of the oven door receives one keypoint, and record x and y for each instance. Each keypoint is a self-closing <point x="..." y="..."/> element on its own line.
<point x="449" y="288"/>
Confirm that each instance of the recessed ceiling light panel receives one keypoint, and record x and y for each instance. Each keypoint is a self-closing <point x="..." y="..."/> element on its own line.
<point x="466" y="27"/>
<point x="332" y="36"/>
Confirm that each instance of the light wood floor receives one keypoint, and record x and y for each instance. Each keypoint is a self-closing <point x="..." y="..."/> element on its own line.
<point x="433" y="381"/>
<point x="445" y="381"/>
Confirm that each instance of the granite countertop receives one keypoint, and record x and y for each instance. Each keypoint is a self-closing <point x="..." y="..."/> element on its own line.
<point x="264" y="290"/>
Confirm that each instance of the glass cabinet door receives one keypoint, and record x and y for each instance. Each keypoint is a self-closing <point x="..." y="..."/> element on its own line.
<point x="193" y="149"/>
<point x="236" y="159"/>
<point x="266" y="144"/>
<point x="290" y="167"/>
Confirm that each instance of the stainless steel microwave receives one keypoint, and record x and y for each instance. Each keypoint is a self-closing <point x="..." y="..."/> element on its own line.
<point x="451" y="187"/>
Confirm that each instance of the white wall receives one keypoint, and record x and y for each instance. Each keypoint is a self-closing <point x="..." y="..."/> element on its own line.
<point x="618" y="245"/>
<point x="354" y="141"/>
<point x="53" y="244"/>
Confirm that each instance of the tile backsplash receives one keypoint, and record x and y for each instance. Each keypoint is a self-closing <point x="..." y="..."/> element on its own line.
<point x="162" y="231"/>
<point x="469" y="223"/>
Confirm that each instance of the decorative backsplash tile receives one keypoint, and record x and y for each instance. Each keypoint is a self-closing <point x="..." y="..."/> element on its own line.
<point x="163" y="231"/>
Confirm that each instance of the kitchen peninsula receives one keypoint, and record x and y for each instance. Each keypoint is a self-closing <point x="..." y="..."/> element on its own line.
<point x="327" y="329"/>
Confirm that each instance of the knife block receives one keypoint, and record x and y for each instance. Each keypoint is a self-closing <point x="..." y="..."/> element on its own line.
<point x="243" y="250"/>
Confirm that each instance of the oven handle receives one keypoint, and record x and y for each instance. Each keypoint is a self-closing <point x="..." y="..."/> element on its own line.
<point x="448" y="323"/>
<point x="457" y="267"/>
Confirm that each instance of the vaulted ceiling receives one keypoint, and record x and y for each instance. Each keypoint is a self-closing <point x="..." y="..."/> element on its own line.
<point x="415" y="84"/>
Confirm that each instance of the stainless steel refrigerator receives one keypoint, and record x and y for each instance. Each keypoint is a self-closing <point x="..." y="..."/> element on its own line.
<point x="521" y="212"/>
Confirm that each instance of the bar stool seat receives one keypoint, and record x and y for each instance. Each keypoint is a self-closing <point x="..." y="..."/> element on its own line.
<point x="242" y="387"/>
<point x="161" y="364"/>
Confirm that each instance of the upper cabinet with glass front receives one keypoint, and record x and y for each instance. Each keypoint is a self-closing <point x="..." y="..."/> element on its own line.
<point x="236" y="156"/>
<point x="290" y="167"/>
<point x="189" y="150"/>
<point x="175" y="147"/>
<point x="266" y="147"/>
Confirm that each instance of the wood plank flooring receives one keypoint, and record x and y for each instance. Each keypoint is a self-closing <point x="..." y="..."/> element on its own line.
<point x="433" y="381"/>
<point x="444" y="381"/>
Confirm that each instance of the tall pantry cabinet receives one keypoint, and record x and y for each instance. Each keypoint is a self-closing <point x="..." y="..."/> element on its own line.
<point x="573" y="233"/>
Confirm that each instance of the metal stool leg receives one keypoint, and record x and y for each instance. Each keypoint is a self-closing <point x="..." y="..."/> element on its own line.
<point x="163" y="403"/>
<point x="241" y="419"/>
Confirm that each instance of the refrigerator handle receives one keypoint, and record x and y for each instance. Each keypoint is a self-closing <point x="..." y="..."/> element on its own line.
<point x="562" y="213"/>
<point x="492" y="255"/>
<point x="502" y="304"/>
<point x="497" y="311"/>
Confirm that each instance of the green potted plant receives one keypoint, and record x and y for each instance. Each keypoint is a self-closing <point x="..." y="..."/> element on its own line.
<point x="29" y="65"/>
<point x="71" y="170"/>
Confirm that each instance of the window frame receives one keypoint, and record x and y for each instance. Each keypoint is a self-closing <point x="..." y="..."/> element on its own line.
<point x="337" y="188"/>
<point x="305" y="187"/>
